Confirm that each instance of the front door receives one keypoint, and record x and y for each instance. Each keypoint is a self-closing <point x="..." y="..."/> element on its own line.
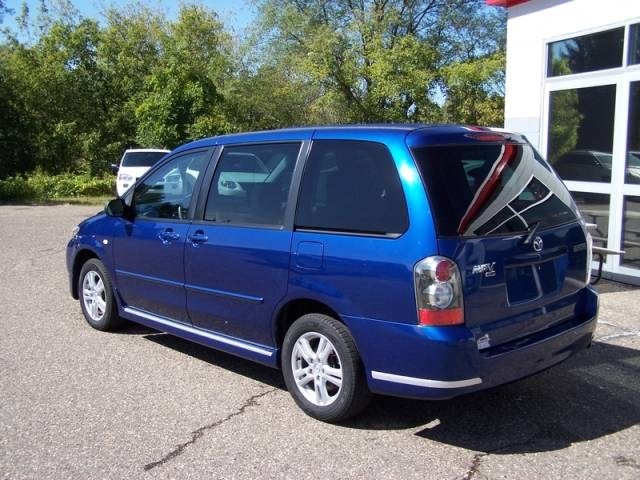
<point x="149" y="248"/>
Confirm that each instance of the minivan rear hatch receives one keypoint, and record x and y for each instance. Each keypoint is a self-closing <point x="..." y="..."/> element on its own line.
<point x="507" y="220"/>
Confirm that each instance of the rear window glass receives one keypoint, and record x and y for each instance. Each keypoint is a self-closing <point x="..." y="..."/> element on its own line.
<point x="492" y="189"/>
<point x="353" y="187"/>
<point x="141" y="159"/>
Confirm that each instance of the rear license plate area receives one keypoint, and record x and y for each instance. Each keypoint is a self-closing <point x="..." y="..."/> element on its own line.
<point x="530" y="282"/>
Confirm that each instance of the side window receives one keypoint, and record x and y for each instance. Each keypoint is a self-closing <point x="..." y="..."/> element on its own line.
<point x="251" y="184"/>
<point x="167" y="192"/>
<point x="351" y="186"/>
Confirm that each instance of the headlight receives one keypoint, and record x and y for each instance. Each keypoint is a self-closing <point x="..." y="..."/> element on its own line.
<point x="75" y="231"/>
<point x="125" y="177"/>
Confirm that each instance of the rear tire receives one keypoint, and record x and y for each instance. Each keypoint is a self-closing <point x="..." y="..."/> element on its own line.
<point x="96" y="296"/>
<point x="322" y="369"/>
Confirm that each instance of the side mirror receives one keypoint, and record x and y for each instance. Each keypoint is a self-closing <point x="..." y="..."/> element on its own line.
<point x="115" y="208"/>
<point x="114" y="168"/>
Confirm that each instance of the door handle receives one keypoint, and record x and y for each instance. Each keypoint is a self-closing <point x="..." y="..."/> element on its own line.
<point x="168" y="235"/>
<point x="197" y="238"/>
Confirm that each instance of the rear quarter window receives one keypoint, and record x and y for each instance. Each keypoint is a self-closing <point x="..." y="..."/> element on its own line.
<point x="492" y="189"/>
<point x="351" y="187"/>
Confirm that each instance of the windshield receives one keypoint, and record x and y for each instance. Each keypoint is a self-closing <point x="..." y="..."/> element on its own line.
<point x="141" y="159"/>
<point x="492" y="189"/>
<point x="605" y="158"/>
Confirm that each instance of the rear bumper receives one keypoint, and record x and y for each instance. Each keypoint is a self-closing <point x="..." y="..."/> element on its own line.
<point x="444" y="362"/>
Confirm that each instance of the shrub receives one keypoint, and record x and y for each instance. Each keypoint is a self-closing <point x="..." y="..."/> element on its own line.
<point x="16" y="188"/>
<point x="40" y="186"/>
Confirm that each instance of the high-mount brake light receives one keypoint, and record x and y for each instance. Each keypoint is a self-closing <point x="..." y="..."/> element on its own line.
<point x="438" y="288"/>
<point x="487" y="136"/>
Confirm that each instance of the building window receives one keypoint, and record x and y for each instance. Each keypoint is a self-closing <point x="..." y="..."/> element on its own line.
<point x="634" y="44"/>
<point x="587" y="53"/>
<point x="594" y="208"/>
<point x="631" y="232"/>
<point x="581" y="133"/>
<point x="632" y="171"/>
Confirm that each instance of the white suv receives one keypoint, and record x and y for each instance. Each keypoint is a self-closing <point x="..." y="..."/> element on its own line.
<point x="133" y="164"/>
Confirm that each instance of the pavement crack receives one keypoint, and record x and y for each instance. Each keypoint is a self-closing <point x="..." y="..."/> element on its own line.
<point x="608" y="324"/>
<point x="475" y="466"/>
<point x="623" y="333"/>
<point x="197" y="434"/>
<point x="626" y="462"/>
<point x="476" y="463"/>
<point x="618" y="335"/>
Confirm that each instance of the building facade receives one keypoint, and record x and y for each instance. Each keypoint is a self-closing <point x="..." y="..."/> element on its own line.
<point x="573" y="88"/>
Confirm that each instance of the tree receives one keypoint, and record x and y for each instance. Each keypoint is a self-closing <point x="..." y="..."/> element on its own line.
<point x="55" y="83"/>
<point x="4" y="10"/>
<point x="384" y="59"/>
<point x="75" y="92"/>
<point x="565" y="117"/>
<point x="80" y="92"/>
<point x="181" y="97"/>
<point x="15" y="140"/>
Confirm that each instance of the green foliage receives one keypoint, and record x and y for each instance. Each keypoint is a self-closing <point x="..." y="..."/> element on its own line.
<point x="392" y="60"/>
<point x="565" y="116"/>
<point x="473" y="94"/>
<point x="16" y="188"/>
<point x="564" y="123"/>
<point x="75" y="92"/>
<point x="42" y="187"/>
<point x="181" y="98"/>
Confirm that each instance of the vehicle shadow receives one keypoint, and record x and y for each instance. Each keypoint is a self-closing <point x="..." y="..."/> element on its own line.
<point x="593" y="394"/>
<point x="246" y="368"/>
<point x="131" y="328"/>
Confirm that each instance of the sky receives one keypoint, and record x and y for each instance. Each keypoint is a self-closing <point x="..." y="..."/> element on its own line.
<point x="236" y="14"/>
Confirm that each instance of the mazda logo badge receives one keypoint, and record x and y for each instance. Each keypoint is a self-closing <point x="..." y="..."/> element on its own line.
<point x="537" y="244"/>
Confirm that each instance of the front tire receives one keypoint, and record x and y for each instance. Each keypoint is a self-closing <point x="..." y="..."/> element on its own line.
<point x="96" y="296"/>
<point x="322" y="369"/>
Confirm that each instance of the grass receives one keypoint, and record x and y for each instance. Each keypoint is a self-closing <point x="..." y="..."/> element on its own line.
<point x="43" y="189"/>
<point x="98" y="201"/>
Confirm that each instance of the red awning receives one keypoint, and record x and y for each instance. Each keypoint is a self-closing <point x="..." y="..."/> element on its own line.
<point x="504" y="3"/>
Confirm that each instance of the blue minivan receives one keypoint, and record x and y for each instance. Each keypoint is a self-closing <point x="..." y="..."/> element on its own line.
<point x="408" y="260"/>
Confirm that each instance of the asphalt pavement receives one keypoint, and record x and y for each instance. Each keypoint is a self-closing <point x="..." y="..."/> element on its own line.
<point x="78" y="403"/>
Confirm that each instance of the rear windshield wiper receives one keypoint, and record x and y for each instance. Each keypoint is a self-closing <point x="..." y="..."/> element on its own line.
<point x="533" y="229"/>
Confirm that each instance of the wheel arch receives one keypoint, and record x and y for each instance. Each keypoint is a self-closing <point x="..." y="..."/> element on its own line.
<point x="294" y="309"/>
<point x="81" y="257"/>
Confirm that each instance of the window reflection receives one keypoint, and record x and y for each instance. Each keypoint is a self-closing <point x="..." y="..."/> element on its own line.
<point x="634" y="44"/>
<point x="594" y="208"/>
<point x="631" y="232"/>
<point x="586" y="53"/>
<point x="581" y="133"/>
<point x="492" y="189"/>
<point x="632" y="172"/>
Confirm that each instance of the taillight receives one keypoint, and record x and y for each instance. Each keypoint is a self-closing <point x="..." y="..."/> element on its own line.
<point x="438" y="292"/>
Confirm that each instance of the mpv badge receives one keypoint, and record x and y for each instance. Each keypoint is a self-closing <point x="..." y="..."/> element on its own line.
<point x="537" y="244"/>
<point x="488" y="269"/>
